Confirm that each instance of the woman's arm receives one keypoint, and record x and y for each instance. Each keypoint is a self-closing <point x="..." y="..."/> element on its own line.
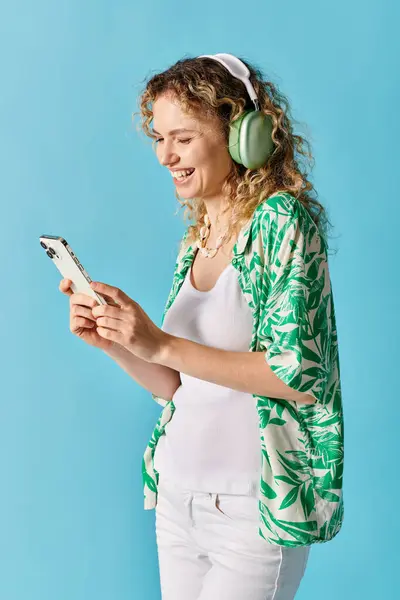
<point x="243" y="371"/>
<point x="159" y="380"/>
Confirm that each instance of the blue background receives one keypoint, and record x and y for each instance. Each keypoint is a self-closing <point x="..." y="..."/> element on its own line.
<point x="73" y="425"/>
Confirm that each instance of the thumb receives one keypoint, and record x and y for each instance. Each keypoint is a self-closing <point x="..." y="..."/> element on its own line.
<point x="65" y="287"/>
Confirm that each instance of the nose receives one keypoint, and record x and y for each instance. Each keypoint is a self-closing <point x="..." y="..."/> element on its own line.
<point x="166" y="156"/>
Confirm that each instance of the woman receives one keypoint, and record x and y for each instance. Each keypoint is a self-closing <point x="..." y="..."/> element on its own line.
<point x="248" y="472"/>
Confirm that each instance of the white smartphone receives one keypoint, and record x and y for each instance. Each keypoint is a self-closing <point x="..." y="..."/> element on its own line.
<point x="59" y="251"/>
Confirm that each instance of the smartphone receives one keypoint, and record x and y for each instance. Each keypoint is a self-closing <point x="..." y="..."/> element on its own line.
<point x="60" y="252"/>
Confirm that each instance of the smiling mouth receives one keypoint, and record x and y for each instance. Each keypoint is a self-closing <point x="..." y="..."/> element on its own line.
<point x="183" y="179"/>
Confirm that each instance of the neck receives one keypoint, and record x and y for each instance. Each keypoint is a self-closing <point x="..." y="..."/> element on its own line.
<point x="219" y="222"/>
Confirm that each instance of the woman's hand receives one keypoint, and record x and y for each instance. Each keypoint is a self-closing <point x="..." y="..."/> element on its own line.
<point x="126" y="324"/>
<point x="81" y="321"/>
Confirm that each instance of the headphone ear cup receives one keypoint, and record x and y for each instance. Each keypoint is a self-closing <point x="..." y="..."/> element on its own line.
<point x="250" y="139"/>
<point x="234" y="139"/>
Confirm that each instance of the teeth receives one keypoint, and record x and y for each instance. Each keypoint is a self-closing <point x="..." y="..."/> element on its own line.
<point x="181" y="174"/>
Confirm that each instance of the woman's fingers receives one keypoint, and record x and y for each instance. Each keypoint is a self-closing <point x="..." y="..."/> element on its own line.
<point x="109" y="317"/>
<point x="82" y="300"/>
<point x="109" y="323"/>
<point x="114" y="312"/>
<point x="110" y="301"/>
<point x="81" y="317"/>
<point x="65" y="287"/>
<point x="81" y="311"/>
<point x="81" y="323"/>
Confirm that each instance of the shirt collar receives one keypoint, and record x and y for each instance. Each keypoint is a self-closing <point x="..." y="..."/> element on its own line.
<point x="243" y="238"/>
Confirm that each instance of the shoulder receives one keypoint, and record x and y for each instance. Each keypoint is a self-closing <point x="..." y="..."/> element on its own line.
<point x="282" y="215"/>
<point x="282" y="208"/>
<point x="281" y="226"/>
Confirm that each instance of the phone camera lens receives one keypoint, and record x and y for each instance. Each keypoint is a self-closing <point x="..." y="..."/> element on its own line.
<point x="53" y="252"/>
<point x="43" y="245"/>
<point x="49" y="254"/>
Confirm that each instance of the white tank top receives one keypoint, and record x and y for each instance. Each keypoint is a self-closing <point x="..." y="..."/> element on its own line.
<point x="212" y="443"/>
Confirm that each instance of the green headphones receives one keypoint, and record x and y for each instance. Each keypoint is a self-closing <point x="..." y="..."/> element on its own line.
<point x="250" y="136"/>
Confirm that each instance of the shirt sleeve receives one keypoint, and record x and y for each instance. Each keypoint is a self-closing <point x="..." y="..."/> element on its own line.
<point x="160" y="400"/>
<point x="295" y="327"/>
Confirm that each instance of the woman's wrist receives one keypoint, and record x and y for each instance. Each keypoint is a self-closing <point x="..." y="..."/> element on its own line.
<point x="117" y="351"/>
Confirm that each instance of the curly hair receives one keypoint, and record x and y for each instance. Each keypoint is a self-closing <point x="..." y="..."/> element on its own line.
<point x="203" y="84"/>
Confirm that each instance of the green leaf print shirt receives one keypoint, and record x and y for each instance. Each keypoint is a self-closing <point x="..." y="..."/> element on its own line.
<point x="281" y="261"/>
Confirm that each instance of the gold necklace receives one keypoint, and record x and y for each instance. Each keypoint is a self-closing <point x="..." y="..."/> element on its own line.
<point x="204" y="235"/>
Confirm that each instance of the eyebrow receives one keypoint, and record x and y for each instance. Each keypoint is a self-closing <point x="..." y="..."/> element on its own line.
<point x="174" y="131"/>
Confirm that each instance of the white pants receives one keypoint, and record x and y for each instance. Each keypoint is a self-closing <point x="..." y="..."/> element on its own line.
<point x="209" y="548"/>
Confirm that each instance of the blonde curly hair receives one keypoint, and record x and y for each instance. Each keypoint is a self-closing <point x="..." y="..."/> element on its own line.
<point x="203" y="84"/>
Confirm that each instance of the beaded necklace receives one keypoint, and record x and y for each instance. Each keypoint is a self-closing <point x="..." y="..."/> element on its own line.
<point x="204" y="235"/>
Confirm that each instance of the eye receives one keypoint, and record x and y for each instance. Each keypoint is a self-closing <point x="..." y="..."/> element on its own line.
<point x="186" y="141"/>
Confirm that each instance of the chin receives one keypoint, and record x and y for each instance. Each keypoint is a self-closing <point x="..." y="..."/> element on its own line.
<point x="188" y="193"/>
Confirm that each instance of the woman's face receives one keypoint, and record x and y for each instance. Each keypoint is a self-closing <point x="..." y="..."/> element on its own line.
<point x="199" y="144"/>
